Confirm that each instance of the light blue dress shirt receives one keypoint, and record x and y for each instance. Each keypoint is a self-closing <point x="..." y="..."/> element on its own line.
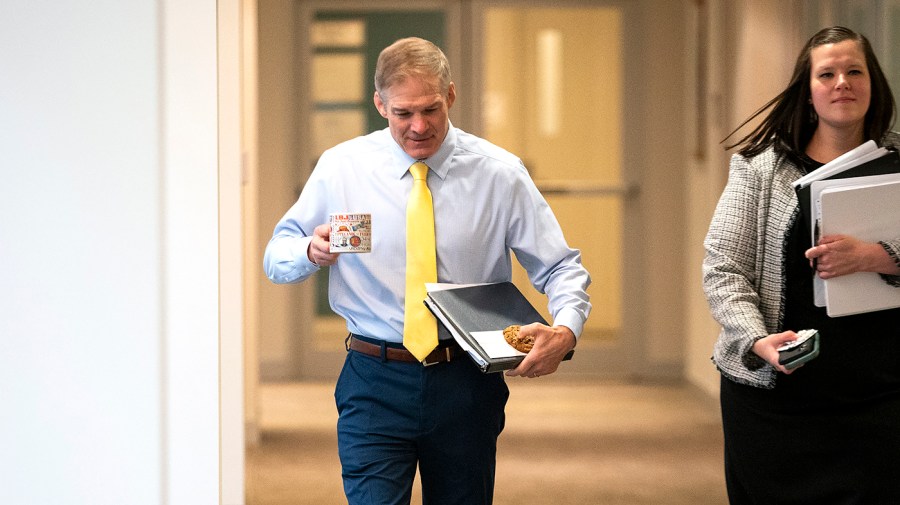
<point x="485" y="205"/>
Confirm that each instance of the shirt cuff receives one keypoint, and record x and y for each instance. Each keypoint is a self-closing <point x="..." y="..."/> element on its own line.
<point x="301" y="257"/>
<point x="571" y="319"/>
<point x="292" y="264"/>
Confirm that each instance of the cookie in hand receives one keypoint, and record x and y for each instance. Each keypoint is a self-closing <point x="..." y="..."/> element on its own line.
<point x="522" y="343"/>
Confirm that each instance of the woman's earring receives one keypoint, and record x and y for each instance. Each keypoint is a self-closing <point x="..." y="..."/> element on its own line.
<point x="813" y="117"/>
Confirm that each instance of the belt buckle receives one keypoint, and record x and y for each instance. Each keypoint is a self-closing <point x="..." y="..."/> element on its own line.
<point x="446" y="358"/>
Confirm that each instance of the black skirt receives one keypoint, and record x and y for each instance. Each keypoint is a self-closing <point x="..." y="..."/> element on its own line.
<point x="781" y="451"/>
<point x="829" y="433"/>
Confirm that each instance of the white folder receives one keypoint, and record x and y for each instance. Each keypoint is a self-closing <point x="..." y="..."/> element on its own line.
<point x="869" y="212"/>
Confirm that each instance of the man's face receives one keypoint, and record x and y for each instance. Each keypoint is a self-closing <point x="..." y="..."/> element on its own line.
<point x="417" y="114"/>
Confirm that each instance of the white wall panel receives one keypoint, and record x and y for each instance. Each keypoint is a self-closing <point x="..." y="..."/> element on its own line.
<point x="108" y="255"/>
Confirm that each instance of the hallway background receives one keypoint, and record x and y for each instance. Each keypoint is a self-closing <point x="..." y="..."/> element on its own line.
<point x="149" y="149"/>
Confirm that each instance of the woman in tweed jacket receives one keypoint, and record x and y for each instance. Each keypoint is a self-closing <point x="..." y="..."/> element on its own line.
<point x="828" y="432"/>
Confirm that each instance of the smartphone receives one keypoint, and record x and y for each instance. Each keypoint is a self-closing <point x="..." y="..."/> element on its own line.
<point x="806" y="347"/>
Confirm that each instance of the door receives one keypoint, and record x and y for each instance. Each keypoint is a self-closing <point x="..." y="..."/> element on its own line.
<point x="552" y="91"/>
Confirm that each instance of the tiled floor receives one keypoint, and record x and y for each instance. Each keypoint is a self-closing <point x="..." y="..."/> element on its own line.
<point x="565" y="442"/>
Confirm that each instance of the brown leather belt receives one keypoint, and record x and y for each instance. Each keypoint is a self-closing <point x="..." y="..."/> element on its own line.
<point x="440" y="355"/>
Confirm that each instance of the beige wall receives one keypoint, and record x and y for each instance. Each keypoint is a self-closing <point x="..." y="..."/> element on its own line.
<point x="656" y="156"/>
<point x="279" y="178"/>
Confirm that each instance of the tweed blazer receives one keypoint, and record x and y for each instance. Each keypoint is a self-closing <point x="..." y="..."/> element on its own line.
<point x="744" y="267"/>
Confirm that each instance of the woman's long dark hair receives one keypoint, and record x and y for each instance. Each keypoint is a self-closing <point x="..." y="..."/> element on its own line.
<point x="789" y="127"/>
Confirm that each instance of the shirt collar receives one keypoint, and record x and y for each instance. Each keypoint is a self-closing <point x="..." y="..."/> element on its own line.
<point x="439" y="162"/>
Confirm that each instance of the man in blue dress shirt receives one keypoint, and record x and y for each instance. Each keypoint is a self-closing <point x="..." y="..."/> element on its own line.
<point x="395" y="412"/>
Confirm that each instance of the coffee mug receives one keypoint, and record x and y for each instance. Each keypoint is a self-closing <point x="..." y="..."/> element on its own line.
<point x="351" y="233"/>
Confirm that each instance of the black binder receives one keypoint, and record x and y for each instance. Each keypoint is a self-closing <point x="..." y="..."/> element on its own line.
<point x="483" y="307"/>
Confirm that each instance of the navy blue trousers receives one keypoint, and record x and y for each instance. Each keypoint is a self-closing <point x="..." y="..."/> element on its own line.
<point x="394" y="416"/>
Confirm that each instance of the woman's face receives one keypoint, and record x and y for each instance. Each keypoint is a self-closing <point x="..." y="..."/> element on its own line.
<point x="840" y="85"/>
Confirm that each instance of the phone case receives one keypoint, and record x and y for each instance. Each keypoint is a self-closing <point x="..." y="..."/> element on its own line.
<point x="792" y="358"/>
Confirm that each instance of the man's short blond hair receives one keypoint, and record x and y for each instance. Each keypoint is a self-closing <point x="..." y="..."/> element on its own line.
<point x="411" y="57"/>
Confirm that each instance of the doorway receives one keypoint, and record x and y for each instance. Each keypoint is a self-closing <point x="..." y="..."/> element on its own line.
<point x="540" y="70"/>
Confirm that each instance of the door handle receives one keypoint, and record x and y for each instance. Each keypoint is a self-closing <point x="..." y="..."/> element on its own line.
<point x="582" y="188"/>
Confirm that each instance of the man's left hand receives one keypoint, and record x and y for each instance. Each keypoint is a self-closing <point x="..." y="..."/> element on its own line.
<point x="550" y="347"/>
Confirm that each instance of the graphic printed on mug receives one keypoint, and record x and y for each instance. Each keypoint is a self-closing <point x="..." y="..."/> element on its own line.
<point x="351" y="233"/>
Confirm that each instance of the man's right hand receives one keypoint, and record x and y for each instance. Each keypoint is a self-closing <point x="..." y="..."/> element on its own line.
<point x="319" y="247"/>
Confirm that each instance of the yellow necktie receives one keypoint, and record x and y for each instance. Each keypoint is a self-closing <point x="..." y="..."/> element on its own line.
<point x="420" y="327"/>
